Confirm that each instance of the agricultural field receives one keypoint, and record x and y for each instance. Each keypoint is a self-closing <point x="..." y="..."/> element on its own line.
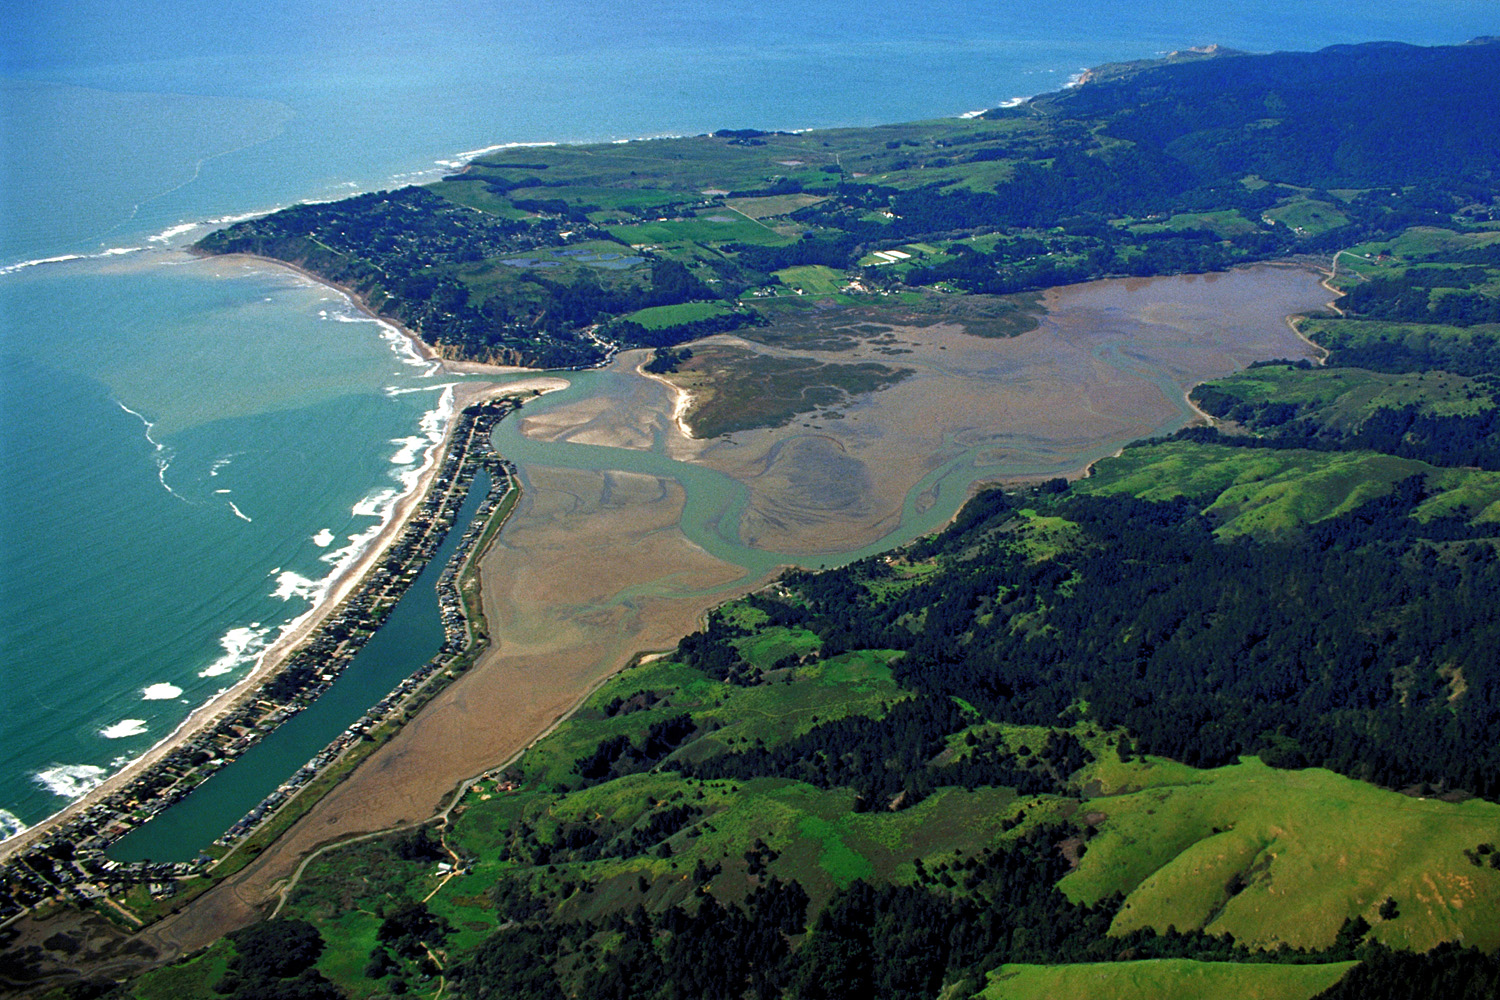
<point x="812" y="279"/>
<point x="663" y="317"/>
<point x="1308" y="218"/>
<point x="1226" y="224"/>
<point x="708" y="226"/>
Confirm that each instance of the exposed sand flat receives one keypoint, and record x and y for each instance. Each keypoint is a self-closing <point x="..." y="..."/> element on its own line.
<point x="1112" y="361"/>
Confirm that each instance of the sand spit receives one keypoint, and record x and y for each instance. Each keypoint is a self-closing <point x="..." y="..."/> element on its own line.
<point x="338" y="589"/>
<point x="682" y="400"/>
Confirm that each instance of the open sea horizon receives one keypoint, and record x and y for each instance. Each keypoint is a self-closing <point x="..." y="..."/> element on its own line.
<point x="190" y="448"/>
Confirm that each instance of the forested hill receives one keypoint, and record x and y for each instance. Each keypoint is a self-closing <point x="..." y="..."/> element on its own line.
<point x="1349" y="116"/>
<point x="1189" y="164"/>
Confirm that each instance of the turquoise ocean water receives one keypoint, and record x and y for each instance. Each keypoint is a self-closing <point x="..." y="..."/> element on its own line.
<point x="187" y="448"/>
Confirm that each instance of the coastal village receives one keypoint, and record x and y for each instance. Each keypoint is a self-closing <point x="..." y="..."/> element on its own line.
<point x="71" y="864"/>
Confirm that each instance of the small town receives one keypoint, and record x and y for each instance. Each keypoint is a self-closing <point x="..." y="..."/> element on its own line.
<point x="71" y="863"/>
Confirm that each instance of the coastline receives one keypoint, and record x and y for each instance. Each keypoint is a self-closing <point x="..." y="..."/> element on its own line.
<point x="267" y="664"/>
<point x="681" y="400"/>
<point x="339" y="588"/>
<point x="423" y="349"/>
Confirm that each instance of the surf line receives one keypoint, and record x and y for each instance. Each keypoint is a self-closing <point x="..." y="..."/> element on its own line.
<point x="163" y="454"/>
<point x="92" y="826"/>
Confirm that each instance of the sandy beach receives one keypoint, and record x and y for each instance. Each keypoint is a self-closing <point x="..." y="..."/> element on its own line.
<point x="682" y="399"/>
<point x="340" y="588"/>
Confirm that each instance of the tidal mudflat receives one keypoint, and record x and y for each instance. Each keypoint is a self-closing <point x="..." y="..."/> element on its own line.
<point x="1111" y="361"/>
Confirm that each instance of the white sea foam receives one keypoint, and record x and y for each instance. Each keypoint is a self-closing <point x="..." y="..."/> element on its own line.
<point x="461" y="160"/>
<point x="62" y="258"/>
<point x="290" y="585"/>
<point x="676" y="135"/>
<point x="432" y="426"/>
<point x="241" y="646"/>
<point x="346" y="555"/>
<point x="223" y="491"/>
<point x="323" y="538"/>
<point x="174" y="231"/>
<point x="1076" y="80"/>
<point x="70" y="780"/>
<point x="382" y="503"/>
<point x="476" y="153"/>
<point x="1014" y="102"/>
<point x="411" y="447"/>
<point x="376" y="504"/>
<point x="219" y="463"/>
<point x="123" y="728"/>
<point x="973" y="114"/>
<point x="345" y="316"/>
<point x="163" y="453"/>
<point x="161" y="691"/>
<point x="239" y="513"/>
<point x="435" y="421"/>
<point x="393" y="391"/>
<point x="10" y="824"/>
<point x="229" y="220"/>
<point x="405" y="348"/>
<point x="7" y="269"/>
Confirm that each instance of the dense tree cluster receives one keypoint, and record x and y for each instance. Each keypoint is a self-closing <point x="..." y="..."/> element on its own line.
<point x="1414" y="430"/>
<point x="274" y="960"/>
<point x="1427" y="295"/>
<point x="713" y="951"/>
<point x="1304" y="643"/>
<point x="1450" y="971"/>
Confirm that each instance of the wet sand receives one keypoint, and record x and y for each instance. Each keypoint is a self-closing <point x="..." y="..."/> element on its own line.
<point x="1111" y="362"/>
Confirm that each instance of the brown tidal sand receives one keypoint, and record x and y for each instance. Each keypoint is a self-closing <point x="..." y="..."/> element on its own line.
<point x="1111" y="362"/>
<point x="591" y="568"/>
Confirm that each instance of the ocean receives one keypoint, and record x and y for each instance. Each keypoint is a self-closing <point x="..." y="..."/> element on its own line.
<point x="190" y="448"/>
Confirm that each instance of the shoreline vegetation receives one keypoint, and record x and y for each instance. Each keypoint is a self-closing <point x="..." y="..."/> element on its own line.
<point x="856" y="237"/>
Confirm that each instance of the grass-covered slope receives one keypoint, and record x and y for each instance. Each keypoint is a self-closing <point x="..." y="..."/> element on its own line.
<point x="1153" y="979"/>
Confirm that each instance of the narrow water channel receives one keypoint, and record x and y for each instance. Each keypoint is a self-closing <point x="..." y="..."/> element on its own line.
<point x="410" y="636"/>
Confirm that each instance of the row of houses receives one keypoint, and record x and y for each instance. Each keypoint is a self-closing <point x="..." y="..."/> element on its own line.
<point x="70" y="862"/>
